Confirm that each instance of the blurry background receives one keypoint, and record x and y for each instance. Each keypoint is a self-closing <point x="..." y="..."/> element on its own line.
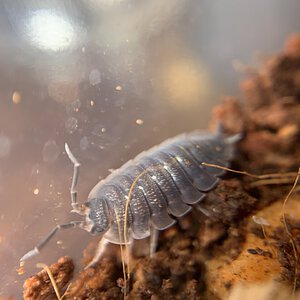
<point x="111" y="78"/>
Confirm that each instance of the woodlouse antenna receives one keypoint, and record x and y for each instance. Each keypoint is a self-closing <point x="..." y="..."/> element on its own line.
<point x="73" y="191"/>
<point x="36" y="250"/>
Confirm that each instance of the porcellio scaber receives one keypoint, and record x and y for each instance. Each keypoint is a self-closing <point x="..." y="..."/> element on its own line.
<point x="150" y="191"/>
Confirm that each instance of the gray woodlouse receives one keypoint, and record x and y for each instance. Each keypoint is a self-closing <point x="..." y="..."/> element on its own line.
<point x="144" y="195"/>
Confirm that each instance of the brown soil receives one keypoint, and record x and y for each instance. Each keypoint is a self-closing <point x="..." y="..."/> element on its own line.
<point x="207" y="254"/>
<point x="39" y="286"/>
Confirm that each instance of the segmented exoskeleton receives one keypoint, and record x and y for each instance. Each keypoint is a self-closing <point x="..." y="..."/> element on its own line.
<point x="147" y="193"/>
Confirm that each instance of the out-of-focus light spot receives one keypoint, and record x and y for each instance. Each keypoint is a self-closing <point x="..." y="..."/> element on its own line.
<point x="16" y="97"/>
<point x="184" y="82"/>
<point x="50" y="151"/>
<point x="239" y="66"/>
<point x="63" y="91"/>
<point x="48" y="30"/>
<point x="74" y="106"/>
<point x="36" y="191"/>
<point x="84" y="143"/>
<point x="92" y="103"/>
<point x="71" y="124"/>
<point x="139" y="122"/>
<point x="94" y="77"/>
<point x="118" y="88"/>
<point x="5" y="146"/>
<point x="110" y="2"/>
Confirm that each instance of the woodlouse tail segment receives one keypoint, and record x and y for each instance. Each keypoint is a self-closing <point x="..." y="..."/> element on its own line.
<point x="233" y="139"/>
<point x="219" y="129"/>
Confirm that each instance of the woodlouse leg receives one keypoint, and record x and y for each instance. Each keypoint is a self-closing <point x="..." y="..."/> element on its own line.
<point x="204" y="211"/>
<point x="75" y="205"/>
<point x="153" y="241"/>
<point x="99" y="253"/>
<point x="36" y="250"/>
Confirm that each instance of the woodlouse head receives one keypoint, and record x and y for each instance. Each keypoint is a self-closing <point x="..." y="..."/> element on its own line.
<point x="97" y="215"/>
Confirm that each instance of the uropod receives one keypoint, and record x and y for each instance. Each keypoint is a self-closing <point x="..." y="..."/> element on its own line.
<point x="149" y="192"/>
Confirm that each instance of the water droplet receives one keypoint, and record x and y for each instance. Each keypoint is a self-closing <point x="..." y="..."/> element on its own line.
<point x="71" y="124"/>
<point x="98" y="130"/>
<point x="50" y="151"/>
<point x="73" y="106"/>
<point x="5" y="145"/>
<point x="84" y="143"/>
<point x="139" y="122"/>
<point x="16" y="97"/>
<point x="94" y="77"/>
<point x="260" y="221"/>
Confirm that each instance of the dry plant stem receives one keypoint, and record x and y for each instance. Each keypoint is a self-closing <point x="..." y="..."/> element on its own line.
<point x="126" y="213"/>
<point x="126" y="216"/>
<point x="265" y="176"/>
<point x="273" y="250"/>
<point x="125" y="232"/>
<point x="125" y="235"/>
<point x="287" y="230"/>
<point x="47" y="269"/>
<point x="122" y="254"/>
<point x="129" y="196"/>
<point x="272" y="181"/>
<point x="66" y="291"/>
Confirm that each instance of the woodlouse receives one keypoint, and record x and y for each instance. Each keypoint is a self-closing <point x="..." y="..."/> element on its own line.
<point x="145" y="194"/>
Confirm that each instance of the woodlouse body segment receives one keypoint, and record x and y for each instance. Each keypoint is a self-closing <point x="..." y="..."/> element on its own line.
<point x="150" y="191"/>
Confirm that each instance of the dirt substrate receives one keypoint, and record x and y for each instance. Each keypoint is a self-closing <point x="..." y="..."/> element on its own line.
<point x="245" y="235"/>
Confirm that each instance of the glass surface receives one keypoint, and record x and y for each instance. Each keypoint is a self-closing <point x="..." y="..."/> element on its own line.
<point x="111" y="78"/>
